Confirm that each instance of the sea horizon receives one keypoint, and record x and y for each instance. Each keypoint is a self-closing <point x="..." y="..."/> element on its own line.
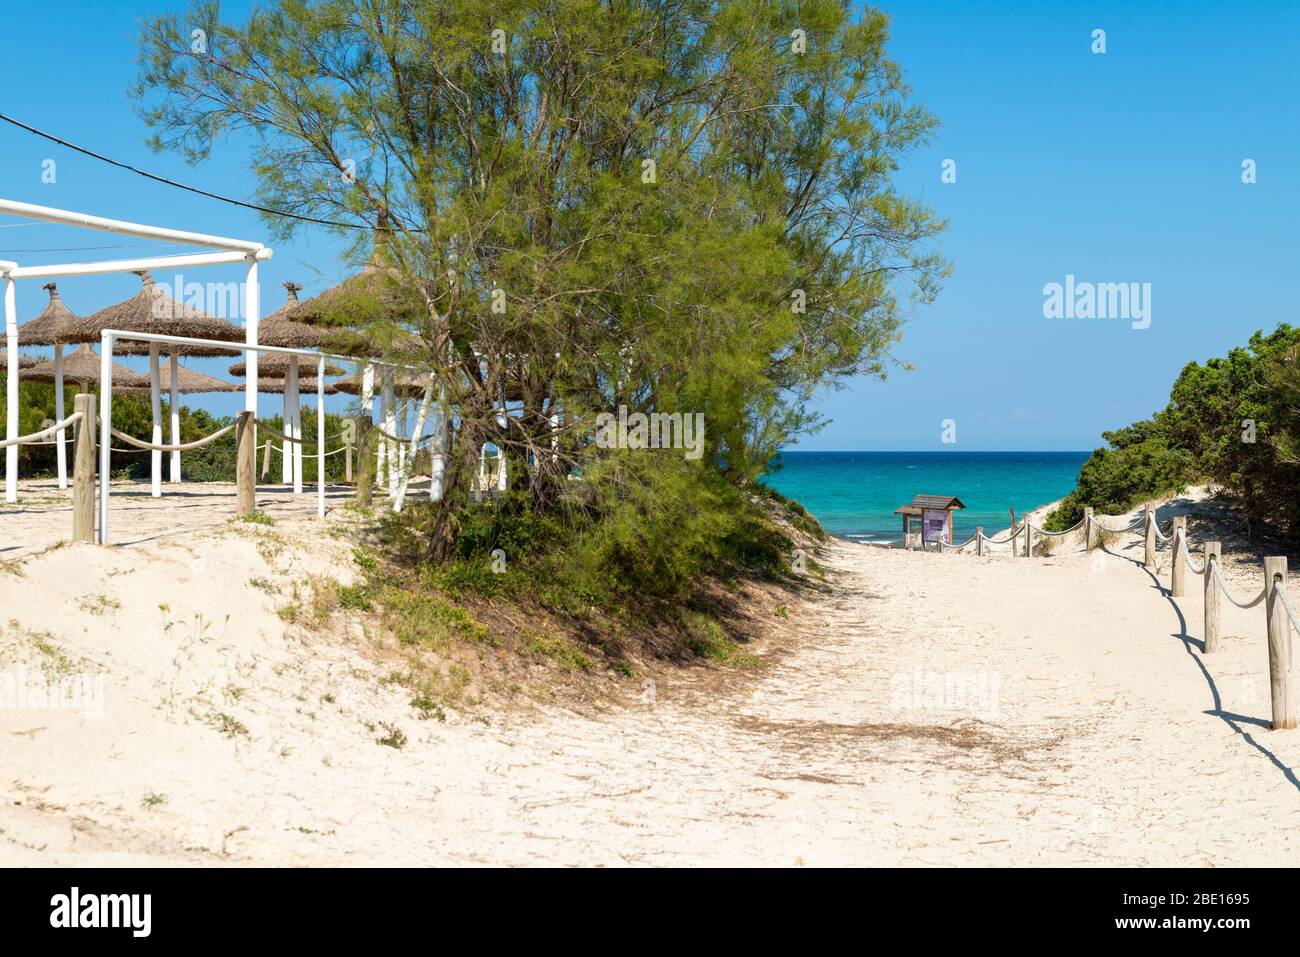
<point x="854" y="493"/>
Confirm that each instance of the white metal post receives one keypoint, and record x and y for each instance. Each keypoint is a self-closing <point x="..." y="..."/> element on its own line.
<point x="173" y="401"/>
<point x="11" y="391"/>
<point x="438" y="457"/>
<point x="286" y="457"/>
<point x="61" y="449"/>
<point x="320" y="437"/>
<point x="252" y="316"/>
<point x="420" y="416"/>
<point x="155" y="403"/>
<point x="295" y="429"/>
<point x="105" y="425"/>
<point x="390" y="426"/>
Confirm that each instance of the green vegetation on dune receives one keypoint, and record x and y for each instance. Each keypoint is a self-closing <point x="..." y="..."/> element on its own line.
<point x="580" y="209"/>
<point x="1233" y="422"/>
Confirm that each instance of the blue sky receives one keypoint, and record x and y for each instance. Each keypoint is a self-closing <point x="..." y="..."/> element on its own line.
<point x="1115" y="167"/>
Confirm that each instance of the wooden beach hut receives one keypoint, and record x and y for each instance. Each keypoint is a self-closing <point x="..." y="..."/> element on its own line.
<point x="928" y="518"/>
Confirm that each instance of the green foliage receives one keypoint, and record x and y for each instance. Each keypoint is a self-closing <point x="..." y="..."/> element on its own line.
<point x="1233" y="422"/>
<point x="767" y="253"/>
<point x="1138" y="466"/>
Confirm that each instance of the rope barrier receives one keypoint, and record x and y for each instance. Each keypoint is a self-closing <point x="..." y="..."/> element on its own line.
<point x="1072" y="528"/>
<point x="1187" y="557"/>
<point x="956" y="548"/>
<point x="1002" y="541"/>
<point x="36" y="436"/>
<point x="1119" y="531"/>
<point x="1286" y="603"/>
<point x="1160" y="536"/>
<point x="198" y="443"/>
<point x="1227" y="594"/>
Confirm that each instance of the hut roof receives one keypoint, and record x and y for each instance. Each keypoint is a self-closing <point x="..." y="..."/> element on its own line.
<point x="404" y="384"/>
<point x="284" y="328"/>
<point x="56" y="324"/>
<point x="276" y="366"/>
<point x="189" y="381"/>
<point x="375" y="292"/>
<point x="922" y="502"/>
<point x="153" y="310"/>
<point x="24" y="361"/>
<point x="83" y="366"/>
<point x="305" y="386"/>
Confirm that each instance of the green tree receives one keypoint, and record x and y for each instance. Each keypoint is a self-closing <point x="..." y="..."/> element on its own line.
<point x="677" y="207"/>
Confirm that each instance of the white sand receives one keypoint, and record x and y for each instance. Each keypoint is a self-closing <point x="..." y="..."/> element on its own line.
<point x="1103" y="735"/>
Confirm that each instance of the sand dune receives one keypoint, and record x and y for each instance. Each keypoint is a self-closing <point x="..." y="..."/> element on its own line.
<point x="923" y="710"/>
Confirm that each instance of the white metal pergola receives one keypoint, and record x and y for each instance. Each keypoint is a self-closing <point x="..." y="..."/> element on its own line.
<point x="224" y="251"/>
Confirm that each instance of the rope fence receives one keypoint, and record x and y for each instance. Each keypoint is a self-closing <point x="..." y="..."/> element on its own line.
<point x="1280" y="617"/>
<point x="36" y="437"/>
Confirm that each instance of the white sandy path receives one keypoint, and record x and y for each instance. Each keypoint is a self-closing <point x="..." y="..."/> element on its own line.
<point x="1101" y="748"/>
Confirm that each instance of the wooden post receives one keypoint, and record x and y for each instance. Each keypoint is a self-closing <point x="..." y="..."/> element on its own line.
<point x="979" y="539"/>
<point x="1149" y="552"/>
<point x="1029" y="538"/>
<point x="266" y="457"/>
<point x="1210" y="552"/>
<point x="245" y="461"/>
<point x="1279" y="644"/>
<point x="83" y="470"/>
<point x="1015" y="539"/>
<point x="366" y="463"/>
<point x="1176" y="576"/>
<point x="347" y="462"/>
<point x="1087" y="528"/>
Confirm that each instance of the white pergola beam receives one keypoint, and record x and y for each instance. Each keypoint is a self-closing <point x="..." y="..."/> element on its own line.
<point x="60" y="270"/>
<point x="86" y="221"/>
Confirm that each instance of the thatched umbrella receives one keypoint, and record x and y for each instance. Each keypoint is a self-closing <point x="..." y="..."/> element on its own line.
<point x="24" y="362"/>
<point x="56" y="326"/>
<point x="376" y="292"/>
<point x="305" y="387"/>
<point x="284" y="329"/>
<point x="83" y="367"/>
<point x="189" y="382"/>
<point x="406" y="384"/>
<point x="277" y="365"/>
<point x="152" y="310"/>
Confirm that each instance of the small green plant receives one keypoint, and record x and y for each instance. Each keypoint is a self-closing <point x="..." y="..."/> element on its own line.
<point x="153" y="799"/>
<point x="355" y="597"/>
<point x="395" y="738"/>
<point x="428" y="708"/>
<point x="97" y="604"/>
<point x="255" y="518"/>
<point x="565" y="653"/>
<point x="224" y="723"/>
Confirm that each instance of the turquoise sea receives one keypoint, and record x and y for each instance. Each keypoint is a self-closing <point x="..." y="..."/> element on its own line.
<point x="854" y="494"/>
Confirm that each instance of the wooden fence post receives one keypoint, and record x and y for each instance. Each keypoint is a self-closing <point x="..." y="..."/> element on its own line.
<point x="1149" y="551"/>
<point x="979" y="539"/>
<point x="1210" y="551"/>
<point x="347" y="462"/>
<point x="83" y="469"/>
<point x="1029" y="538"/>
<point x="245" y="463"/>
<point x="366" y="463"/>
<point x="1176" y="543"/>
<point x="1279" y="644"/>
<point x="1087" y="528"/>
